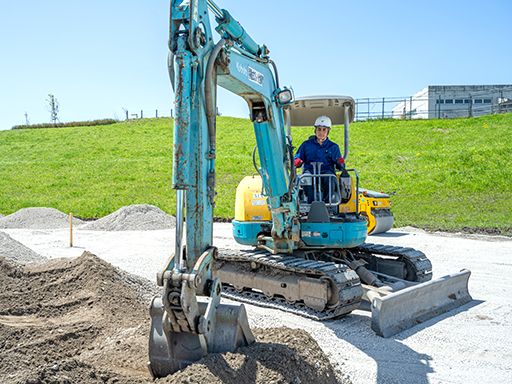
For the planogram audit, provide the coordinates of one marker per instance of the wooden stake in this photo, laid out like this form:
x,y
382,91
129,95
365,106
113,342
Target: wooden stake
x,y
71,229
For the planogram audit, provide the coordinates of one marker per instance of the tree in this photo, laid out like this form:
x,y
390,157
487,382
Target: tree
x,y
53,107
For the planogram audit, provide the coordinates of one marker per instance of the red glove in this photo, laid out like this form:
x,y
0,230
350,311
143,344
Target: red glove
x,y
298,162
340,163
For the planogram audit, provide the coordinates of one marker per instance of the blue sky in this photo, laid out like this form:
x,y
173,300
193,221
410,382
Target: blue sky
x,y
101,57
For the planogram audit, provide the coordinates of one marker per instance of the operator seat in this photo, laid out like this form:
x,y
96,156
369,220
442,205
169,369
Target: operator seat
x,y
318,213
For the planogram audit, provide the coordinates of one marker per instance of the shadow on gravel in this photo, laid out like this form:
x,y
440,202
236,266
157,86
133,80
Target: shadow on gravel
x,y
389,234
426,324
396,362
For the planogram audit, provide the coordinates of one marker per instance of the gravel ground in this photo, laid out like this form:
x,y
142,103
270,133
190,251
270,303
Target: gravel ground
x,y
472,344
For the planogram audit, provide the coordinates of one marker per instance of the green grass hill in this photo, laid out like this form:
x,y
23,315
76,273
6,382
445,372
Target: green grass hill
x,y
445,174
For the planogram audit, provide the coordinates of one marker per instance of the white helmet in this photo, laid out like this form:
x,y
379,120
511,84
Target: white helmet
x,y
323,121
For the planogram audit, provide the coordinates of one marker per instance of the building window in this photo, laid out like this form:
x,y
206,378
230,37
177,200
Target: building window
x,y
459,101
487,101
467,101
439,101
478,101
448,101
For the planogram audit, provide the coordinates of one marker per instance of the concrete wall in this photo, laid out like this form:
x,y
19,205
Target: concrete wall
x,y
414,107
449,101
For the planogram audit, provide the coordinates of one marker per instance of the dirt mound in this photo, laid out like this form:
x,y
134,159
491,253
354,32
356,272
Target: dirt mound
x,y
280,355
83,321
14,250
37,218
139,217
57,319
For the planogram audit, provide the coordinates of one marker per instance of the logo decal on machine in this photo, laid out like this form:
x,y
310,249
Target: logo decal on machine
x,y
252,74
255,76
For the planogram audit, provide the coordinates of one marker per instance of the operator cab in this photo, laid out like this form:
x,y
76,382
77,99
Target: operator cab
x,y
328,216
317,191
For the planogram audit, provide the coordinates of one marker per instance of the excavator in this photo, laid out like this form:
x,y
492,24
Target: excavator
x,y
308,256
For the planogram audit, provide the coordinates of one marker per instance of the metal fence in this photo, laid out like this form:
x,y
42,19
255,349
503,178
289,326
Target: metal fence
x,y
431,106
419,106
403,108
145,113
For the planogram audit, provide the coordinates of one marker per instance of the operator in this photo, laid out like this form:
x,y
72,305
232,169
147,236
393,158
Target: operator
x,y
319,149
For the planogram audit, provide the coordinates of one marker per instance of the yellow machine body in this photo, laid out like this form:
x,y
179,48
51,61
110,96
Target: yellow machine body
x,y
251,205
376,207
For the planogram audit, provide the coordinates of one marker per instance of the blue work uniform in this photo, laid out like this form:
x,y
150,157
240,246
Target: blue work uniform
x,y
328,154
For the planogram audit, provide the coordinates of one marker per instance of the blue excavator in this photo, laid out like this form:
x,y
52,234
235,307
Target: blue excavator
x,y
306,255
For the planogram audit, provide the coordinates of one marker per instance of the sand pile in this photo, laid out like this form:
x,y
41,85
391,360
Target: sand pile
x,y
37,218
14,250
138,217
80,321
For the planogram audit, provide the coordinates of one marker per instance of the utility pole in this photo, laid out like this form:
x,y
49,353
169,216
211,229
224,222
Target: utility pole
x,y
53,106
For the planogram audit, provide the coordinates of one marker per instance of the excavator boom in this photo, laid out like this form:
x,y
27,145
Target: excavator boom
x,y
307,257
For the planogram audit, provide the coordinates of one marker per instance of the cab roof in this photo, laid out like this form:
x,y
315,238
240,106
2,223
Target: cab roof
x,y
305,110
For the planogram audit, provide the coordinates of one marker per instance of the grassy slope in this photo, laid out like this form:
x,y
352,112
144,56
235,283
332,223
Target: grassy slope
x,y
447,174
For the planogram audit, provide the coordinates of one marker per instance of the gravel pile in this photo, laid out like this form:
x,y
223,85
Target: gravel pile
x,y
37,218
14,250
138,217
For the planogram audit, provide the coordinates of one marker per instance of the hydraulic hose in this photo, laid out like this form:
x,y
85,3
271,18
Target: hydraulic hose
x,y
210,91
274,66
293,171
254,160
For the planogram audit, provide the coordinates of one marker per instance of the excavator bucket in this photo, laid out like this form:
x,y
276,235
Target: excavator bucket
x,y
394,312
171,351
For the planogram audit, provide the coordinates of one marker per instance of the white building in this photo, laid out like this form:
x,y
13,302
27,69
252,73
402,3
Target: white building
x,y
448,101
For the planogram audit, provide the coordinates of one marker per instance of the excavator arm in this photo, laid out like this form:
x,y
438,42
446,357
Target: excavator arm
x,y
188,321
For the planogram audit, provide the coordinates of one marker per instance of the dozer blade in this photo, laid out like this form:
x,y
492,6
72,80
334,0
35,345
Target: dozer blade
x,y
171,351
396,311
